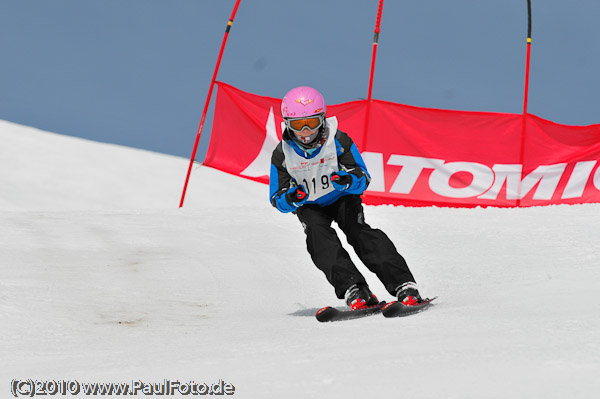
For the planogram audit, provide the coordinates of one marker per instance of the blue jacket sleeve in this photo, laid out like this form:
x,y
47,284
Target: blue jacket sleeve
x,y
280,182
350,160
358,185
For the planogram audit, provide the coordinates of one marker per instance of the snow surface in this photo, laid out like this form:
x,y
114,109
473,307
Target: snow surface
x,y
105,279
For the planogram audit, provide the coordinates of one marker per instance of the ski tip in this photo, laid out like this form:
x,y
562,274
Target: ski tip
x,y
325,314
322,310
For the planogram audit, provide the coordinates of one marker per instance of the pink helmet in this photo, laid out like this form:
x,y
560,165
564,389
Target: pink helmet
x,y
302,101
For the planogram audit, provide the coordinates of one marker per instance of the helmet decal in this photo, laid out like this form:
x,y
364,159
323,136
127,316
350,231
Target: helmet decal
x,y
304,101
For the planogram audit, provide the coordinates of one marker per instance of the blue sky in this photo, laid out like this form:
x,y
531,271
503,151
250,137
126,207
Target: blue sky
x,y
137,72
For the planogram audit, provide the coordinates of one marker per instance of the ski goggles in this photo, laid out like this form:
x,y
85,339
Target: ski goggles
x,y
299,124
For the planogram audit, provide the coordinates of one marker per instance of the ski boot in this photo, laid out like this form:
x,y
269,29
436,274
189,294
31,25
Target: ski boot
x,y
359,296
409,302
408,294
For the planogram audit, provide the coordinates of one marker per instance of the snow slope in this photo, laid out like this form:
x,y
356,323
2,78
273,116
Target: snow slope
x,y
104,279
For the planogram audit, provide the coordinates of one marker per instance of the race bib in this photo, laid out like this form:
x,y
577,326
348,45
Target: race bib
x,y
314,173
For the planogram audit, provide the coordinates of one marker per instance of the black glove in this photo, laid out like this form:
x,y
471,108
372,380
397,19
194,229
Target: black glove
x,y
290,200
341,180
296,195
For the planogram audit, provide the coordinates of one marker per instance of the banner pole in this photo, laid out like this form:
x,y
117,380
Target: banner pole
x,y
207,102
372,73
375,42
525,96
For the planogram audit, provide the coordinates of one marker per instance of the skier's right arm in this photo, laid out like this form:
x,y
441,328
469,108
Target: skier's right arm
x,y
285,195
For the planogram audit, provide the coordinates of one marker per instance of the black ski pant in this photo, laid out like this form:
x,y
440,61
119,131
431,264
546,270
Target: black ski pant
x,y
372,246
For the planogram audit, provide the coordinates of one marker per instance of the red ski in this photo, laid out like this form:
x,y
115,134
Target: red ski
x,y
332,314
398,309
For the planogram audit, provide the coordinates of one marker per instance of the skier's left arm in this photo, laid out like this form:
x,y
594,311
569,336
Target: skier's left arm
x,y
285,194
353,176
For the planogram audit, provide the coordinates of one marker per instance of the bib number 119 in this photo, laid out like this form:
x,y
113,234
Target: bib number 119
x,y
324,185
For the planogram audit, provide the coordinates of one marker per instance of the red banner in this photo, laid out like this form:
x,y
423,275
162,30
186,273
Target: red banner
x,y
423,157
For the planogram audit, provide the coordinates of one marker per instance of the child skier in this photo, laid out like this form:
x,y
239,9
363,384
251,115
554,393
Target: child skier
x,y
318,174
